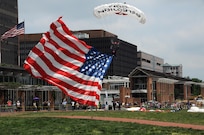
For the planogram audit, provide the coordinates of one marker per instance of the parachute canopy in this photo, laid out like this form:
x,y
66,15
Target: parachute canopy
x,y
119,9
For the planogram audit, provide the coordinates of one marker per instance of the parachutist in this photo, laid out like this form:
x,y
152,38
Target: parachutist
x,y
114,46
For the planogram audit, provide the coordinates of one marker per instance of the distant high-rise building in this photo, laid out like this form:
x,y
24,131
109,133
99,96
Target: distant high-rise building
x,y
8,19
150,62
175,70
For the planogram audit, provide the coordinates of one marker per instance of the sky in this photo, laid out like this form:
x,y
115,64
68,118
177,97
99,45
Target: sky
x,y
174,29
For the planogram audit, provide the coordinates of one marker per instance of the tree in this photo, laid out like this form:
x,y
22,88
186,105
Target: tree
x,y
196,89
196,80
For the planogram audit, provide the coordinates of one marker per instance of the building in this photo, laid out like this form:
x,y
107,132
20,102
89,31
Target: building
x,y
147,85
8,19
150,62
27,42
17,85
111,88
173,69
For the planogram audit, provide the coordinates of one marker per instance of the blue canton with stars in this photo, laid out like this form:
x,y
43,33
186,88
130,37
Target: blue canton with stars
x,y
96,64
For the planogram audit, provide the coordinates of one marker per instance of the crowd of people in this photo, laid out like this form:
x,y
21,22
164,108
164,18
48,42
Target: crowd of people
x,y
72,105
11,106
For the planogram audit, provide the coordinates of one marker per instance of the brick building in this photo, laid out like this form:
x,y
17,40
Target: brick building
x,y
147,85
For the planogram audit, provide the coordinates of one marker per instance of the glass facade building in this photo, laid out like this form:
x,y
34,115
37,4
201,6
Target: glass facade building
x,y
8,19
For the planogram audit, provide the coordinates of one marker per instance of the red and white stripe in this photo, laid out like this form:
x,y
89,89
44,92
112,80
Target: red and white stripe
x,y
57,59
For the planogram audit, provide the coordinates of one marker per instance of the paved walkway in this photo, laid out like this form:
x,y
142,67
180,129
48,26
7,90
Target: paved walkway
x,y
148,122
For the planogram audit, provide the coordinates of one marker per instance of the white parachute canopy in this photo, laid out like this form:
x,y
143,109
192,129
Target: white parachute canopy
x,y
119,9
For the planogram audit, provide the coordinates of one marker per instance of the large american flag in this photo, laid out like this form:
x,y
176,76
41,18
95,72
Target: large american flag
x,y
69,63
15,31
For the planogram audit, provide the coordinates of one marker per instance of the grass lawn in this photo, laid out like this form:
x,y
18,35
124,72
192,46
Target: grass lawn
x,y
44,123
